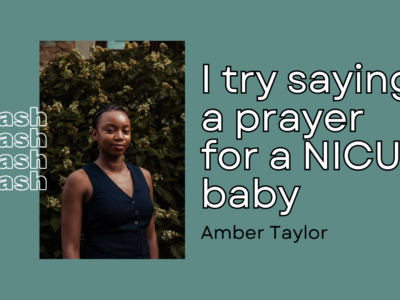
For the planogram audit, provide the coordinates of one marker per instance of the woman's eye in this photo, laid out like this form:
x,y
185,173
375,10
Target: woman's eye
x,y
109,130
126,132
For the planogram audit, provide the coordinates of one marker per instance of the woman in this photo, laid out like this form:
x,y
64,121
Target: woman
x,y
109,200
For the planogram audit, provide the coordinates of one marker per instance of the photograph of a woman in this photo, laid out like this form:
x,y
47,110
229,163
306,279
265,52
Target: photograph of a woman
x,y
117,212
115,135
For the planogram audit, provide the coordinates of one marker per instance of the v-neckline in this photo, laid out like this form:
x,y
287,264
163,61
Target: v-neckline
x,y
134,183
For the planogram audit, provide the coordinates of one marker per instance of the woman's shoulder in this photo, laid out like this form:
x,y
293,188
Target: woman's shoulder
x,y
77,183
149,181
146,174
78,176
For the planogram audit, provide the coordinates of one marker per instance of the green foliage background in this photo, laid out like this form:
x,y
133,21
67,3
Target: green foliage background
x,y
151,87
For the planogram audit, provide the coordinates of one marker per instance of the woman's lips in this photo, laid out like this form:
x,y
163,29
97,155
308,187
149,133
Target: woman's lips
x,y
118,147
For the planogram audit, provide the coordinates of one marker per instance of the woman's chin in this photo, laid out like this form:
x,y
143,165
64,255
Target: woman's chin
x,y
114,153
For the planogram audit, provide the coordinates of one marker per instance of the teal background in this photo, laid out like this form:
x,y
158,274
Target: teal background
x,y
115,45
359,257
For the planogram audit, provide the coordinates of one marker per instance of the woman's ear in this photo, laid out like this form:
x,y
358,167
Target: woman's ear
x,y
94,134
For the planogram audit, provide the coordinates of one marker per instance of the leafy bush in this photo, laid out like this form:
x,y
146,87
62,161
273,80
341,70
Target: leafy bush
x,y
151,87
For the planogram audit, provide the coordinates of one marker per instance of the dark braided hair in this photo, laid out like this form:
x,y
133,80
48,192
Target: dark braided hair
x,y
96,118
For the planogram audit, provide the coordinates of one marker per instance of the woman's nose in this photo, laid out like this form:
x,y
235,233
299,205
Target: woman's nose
x,y
118,135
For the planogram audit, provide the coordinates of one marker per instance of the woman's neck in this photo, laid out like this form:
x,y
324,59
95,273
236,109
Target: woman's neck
x,y
112,164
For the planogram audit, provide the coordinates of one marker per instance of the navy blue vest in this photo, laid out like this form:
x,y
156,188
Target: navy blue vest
x,y
114,223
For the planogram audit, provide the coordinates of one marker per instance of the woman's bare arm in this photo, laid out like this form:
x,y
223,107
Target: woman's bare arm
x,y
71,213
151,230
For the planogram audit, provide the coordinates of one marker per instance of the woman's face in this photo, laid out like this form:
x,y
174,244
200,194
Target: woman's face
x,y
113,133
